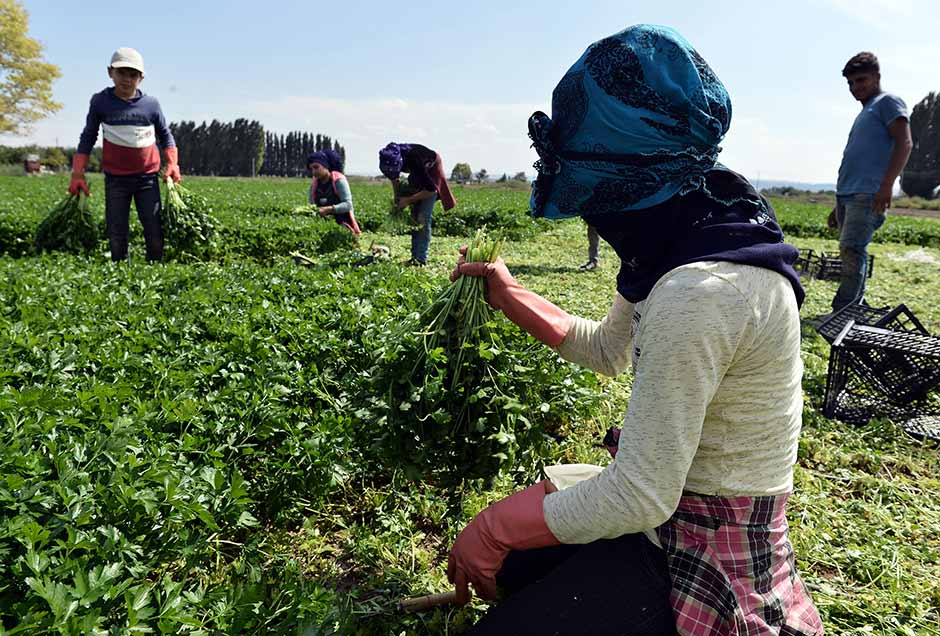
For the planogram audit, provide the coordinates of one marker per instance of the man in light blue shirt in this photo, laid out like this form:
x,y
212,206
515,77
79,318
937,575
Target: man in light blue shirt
x,y
878,148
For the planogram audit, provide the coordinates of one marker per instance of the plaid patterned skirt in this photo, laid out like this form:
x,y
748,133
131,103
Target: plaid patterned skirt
x,y
732,569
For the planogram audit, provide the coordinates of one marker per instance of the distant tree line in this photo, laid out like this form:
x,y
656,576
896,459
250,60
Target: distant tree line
x,y
243,148
52,157
519,176
921,176
238,149
286,155
463,174
790,191
225,149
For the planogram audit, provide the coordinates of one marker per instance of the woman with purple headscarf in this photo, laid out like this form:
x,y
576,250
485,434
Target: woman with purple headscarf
x,y
329,190
426,175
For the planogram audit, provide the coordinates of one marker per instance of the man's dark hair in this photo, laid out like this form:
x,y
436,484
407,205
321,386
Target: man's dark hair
x,y
863,62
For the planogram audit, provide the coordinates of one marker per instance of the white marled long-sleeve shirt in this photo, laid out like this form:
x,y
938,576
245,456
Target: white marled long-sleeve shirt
x,y
716,402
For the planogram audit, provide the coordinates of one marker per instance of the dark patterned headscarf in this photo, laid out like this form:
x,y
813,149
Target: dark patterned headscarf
x,y
391,159
633,143
328,158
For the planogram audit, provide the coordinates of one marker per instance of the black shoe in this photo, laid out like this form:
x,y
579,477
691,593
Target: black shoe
x,y
590,266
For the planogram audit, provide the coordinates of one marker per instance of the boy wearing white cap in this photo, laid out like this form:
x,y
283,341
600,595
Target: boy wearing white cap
x,y
134,131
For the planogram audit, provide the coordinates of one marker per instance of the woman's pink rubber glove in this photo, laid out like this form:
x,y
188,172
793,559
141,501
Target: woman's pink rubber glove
x,y
527,309
514,523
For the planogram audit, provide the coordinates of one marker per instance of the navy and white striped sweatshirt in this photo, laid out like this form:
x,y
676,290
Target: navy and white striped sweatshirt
x,y
134,132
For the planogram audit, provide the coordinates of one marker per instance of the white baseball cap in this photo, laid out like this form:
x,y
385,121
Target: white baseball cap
x,y
126,57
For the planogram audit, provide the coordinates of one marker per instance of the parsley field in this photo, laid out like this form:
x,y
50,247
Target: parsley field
x,y
229,444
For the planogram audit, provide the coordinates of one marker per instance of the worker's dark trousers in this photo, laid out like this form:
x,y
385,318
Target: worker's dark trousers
x,y
144,189
606,588
594,244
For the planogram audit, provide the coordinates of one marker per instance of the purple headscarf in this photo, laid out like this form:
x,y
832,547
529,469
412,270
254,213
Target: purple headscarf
x,y
327,158
391,160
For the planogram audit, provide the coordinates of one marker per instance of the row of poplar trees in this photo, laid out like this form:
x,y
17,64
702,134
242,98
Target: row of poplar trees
x,y
921,176
243,149
223,149
286,155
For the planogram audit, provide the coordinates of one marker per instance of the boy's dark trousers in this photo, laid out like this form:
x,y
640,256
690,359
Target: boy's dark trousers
x,y
118,192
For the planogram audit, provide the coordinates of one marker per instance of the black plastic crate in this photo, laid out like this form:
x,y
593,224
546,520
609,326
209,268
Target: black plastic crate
x,y
898,319
807,263
854,405
922,426
830,266
876,372
860,314
906,365
901,319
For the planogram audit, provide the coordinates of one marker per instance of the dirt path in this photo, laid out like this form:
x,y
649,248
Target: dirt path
x,y
930,214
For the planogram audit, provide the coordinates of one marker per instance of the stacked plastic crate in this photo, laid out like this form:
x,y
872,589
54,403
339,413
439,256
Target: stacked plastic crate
x,y
825,265
883,363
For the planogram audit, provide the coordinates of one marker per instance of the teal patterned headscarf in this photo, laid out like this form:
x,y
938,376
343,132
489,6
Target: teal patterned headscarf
x,y
632,145
635,121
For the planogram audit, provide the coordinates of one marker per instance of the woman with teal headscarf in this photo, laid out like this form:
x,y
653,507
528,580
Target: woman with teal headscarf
x,y
684,531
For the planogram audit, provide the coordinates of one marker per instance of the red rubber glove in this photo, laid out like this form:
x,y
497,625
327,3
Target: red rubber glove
x,y
527,309
172,157
514,523
78,183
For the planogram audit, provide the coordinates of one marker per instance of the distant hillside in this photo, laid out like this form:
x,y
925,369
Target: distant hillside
x,y
764,184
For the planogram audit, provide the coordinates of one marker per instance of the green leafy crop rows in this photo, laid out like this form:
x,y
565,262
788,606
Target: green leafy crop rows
x,y
256,219
231,446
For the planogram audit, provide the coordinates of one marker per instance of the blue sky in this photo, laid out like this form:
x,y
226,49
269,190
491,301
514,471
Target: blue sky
x,y
463,77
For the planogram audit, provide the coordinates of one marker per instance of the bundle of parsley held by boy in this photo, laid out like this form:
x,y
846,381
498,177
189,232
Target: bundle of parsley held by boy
x,y
399,220
69,227
188,225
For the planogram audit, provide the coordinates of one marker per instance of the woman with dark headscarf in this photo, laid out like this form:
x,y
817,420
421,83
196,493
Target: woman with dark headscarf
x,y
685,530
329,190
426,176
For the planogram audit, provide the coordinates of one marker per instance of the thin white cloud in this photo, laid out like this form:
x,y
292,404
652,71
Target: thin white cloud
x,y
489,135
763,151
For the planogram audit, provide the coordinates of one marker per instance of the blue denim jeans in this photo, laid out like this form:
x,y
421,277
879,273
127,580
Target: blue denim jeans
x,y
144,189
421,212
857,224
